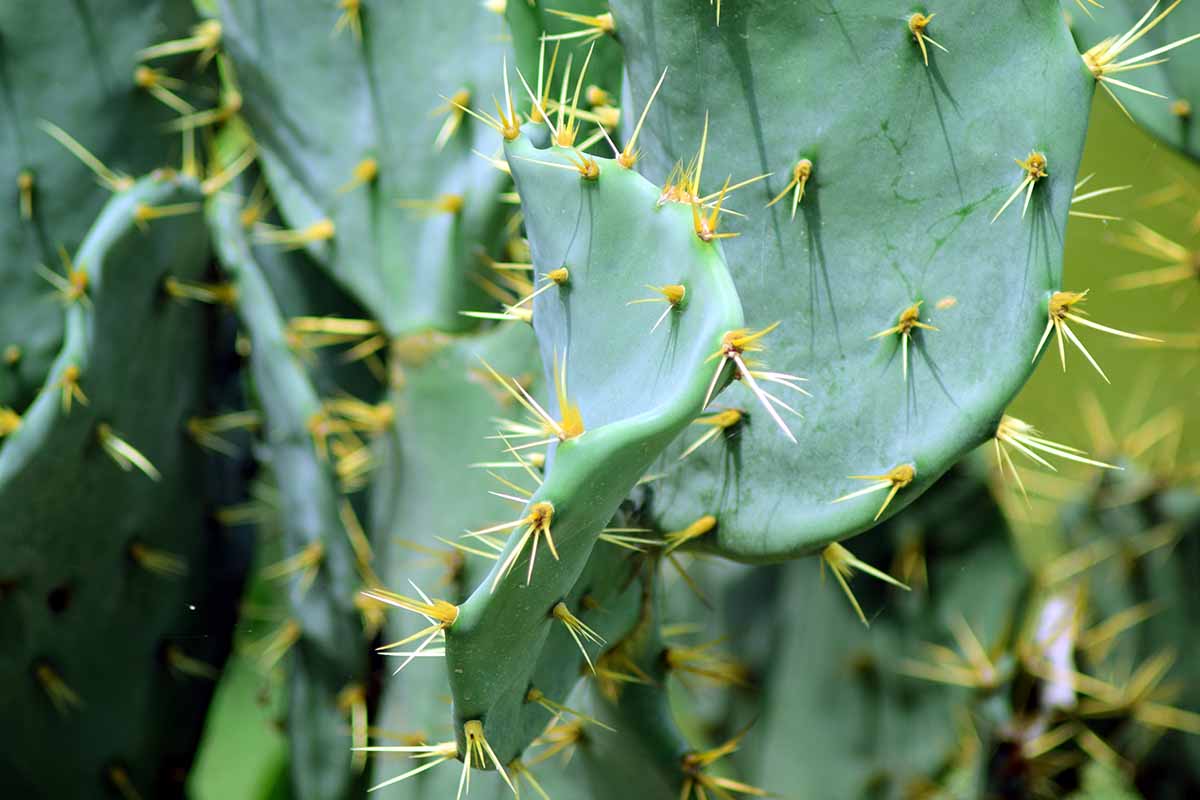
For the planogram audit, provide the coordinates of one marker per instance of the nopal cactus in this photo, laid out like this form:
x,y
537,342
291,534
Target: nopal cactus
x,y
541,306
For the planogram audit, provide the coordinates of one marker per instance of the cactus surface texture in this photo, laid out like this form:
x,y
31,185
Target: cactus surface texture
x,y
593,398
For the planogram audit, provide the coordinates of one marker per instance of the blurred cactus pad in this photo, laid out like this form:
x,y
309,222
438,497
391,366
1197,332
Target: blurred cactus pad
x,y
679,399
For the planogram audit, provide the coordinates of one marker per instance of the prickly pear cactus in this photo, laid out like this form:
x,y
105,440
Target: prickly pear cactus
x,y
362,136
328,554
911,305
117,602
1153,83
68,88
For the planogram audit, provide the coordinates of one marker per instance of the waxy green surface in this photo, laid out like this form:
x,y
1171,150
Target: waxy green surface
x,y
910,164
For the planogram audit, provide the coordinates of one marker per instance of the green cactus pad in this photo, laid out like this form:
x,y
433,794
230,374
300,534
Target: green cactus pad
x,y
113,622
891,731
330,653
426,493
321,104
909,164
634,390
1173,116
69,64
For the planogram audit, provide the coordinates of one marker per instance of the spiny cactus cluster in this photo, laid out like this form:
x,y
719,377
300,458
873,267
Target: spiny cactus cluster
x,y
507,317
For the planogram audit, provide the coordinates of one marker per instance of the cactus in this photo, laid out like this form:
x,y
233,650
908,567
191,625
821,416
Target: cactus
x,y
118,594
858,293
874,198
329,557
52,116
1166,93
368,151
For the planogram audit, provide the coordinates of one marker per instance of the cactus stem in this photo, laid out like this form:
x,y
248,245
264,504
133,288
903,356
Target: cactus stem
x,y
307,562
534,695
439,753
579,631
62,697
125,454
1102,59
72,288
801,172
695,530
25,184
842,563
350,18
594,27
917,25
1059,312
115,181
909,318
159,562
319,231
1184,263
718,423
895,480
1034,167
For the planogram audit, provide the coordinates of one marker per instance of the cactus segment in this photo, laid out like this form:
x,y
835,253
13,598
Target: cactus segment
x,y
896,214
324,633
113,622
368,150
622,394
67,87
